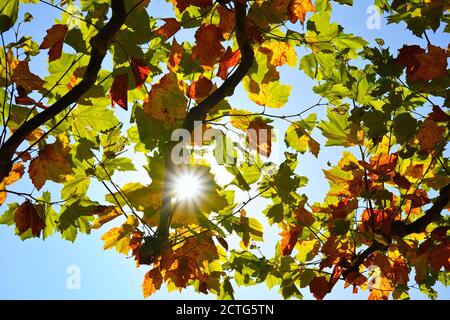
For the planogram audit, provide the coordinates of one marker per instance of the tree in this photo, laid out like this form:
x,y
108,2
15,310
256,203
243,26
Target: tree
x,y
382,224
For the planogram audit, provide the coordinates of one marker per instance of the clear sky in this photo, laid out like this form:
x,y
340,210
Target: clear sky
x,y
34,269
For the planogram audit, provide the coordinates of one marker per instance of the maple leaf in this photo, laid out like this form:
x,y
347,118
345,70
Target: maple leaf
x,y
54,41
229,59
319,287
438,115
279,53
381,289
303,216
183,4
432,64
227,21
119,91
152,282
140,70
430,134
208,47
170,27
259,136
200,88
175,56
166,100
439,256
26,217
51,164
24,78
23,99
289,239
15,174
297,10
407,58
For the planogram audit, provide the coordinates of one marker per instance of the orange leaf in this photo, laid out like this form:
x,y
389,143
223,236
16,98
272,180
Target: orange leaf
x,y
54,41
26,217
208,47
298,8
319,287
140,71
259,136
152,282
289,239
200,88
15,174
170,27
24,78
51,164
229,59
176,54
119,91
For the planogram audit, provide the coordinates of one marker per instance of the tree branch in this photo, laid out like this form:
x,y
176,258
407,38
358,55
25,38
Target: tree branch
x,y
99,44
433,214
153,245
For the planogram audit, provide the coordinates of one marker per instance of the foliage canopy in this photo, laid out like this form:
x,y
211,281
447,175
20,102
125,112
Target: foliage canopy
x,y
384,211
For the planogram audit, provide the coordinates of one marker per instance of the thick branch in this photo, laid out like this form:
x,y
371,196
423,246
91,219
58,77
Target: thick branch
x,y
99,45
199,113
433,214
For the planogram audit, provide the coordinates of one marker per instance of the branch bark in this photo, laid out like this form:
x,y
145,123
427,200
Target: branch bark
x,y
199,113
99,44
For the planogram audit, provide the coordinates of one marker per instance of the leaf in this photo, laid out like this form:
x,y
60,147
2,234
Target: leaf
x,y
175,57
298,8
140,70
432,64
336,130
200,88
119,238
289,239
229,59
430,134
52,164
227,20
166,101
208,47
259,135
14,175
8,14
54,41
87,121
280,53
381,289
119,91
170,27
152,282
298,136
319,287
24,78
26,217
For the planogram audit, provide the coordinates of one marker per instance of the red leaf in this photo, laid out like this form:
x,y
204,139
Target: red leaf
x,y
119,91
140,71
183,4
407,58
229,59
170,27
26,217
319,287
23,99
54,41
200,88
401,181
297,10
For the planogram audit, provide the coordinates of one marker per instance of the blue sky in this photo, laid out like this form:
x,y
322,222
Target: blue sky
x,y
38,270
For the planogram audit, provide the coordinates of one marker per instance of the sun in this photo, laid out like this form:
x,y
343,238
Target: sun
x,y
188,186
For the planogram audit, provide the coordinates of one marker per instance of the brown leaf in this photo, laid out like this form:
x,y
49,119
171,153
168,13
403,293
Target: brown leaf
x,y
430,134
54,41
226,23
24,78
26,217
51,164
23,99
170,27
183,4
152,282
200,88
319,287
432,64
119,91
438,115
208,47
259,136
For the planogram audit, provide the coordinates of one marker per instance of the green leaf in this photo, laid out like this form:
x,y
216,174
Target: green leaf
x,y
87,121
8,14
337,130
